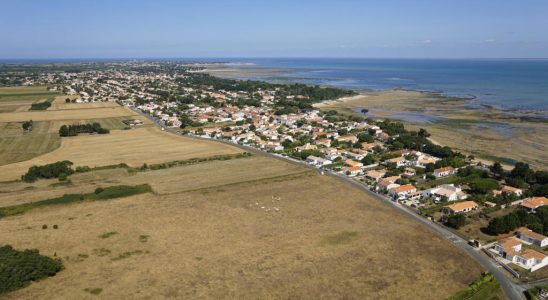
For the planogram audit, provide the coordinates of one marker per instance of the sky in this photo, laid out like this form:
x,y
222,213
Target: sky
x,y
37,29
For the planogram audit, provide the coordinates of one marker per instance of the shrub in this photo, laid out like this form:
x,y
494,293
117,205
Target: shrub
x,y
99,190
19,268
55,226
44,226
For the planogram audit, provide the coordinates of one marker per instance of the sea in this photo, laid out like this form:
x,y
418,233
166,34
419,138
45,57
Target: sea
x,y
514,84
520,84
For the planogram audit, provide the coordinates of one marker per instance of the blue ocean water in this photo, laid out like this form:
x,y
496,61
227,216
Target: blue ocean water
x,y
505,83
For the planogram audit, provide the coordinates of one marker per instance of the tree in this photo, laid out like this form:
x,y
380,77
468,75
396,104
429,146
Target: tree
x,y
522,170
497,169
483,185
456,221
63,131
27,125
364,137
364,110
423,133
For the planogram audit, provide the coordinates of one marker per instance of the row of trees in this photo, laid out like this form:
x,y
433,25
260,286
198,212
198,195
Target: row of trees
x,y
74,130
522,176
538,222
40,105
54,170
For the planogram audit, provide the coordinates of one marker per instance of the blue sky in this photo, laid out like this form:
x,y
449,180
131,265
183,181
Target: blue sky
x,y
242,28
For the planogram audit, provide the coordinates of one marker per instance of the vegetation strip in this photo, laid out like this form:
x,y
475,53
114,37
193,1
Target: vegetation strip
x,y
485,287
111,192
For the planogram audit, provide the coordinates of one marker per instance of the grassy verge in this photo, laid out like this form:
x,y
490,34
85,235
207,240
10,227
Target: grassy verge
x,y
191,161
486,287
99,194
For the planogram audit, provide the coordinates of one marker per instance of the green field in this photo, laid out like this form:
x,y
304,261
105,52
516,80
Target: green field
x,y
16,145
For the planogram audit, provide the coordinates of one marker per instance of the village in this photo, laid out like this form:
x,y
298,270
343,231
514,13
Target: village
x,y
447,187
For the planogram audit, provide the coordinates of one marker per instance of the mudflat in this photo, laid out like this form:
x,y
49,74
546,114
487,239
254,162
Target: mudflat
x,y
484,131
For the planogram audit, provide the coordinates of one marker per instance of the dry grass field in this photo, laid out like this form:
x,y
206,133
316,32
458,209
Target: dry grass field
x,y
68,114
301,235
163,181
134,147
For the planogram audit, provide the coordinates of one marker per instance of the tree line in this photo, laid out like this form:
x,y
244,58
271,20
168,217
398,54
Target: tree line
x,y
74,130
538,222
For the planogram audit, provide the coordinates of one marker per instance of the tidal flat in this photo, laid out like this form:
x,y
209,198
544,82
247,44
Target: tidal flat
x,y
487,132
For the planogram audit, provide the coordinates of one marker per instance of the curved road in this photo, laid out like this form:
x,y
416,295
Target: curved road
x,y
513,290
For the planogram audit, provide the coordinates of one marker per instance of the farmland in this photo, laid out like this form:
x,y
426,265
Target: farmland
x,y
20,98
274,236
134,147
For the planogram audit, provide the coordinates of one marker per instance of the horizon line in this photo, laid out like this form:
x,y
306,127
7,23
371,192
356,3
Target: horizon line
x,y
266,57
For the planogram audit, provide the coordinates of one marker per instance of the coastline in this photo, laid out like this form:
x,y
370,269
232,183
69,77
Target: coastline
x,y
484,130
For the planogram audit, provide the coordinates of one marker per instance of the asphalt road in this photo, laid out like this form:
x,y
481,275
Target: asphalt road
x,y
513,290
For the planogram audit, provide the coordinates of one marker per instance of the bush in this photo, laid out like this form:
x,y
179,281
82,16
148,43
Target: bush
x,y
44,226
99,190
19,268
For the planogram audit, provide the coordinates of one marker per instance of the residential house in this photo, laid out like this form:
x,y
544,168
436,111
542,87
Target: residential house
x,y
388,183
530,204
461,207
443,172
508,190
352,171
449,192
353,163
399,161
375,174
347,138
307,146
532,237
324,142
511,249
402,192
318,161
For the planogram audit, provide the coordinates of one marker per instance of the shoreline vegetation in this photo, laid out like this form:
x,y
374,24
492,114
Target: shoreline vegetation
x,y
488,132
